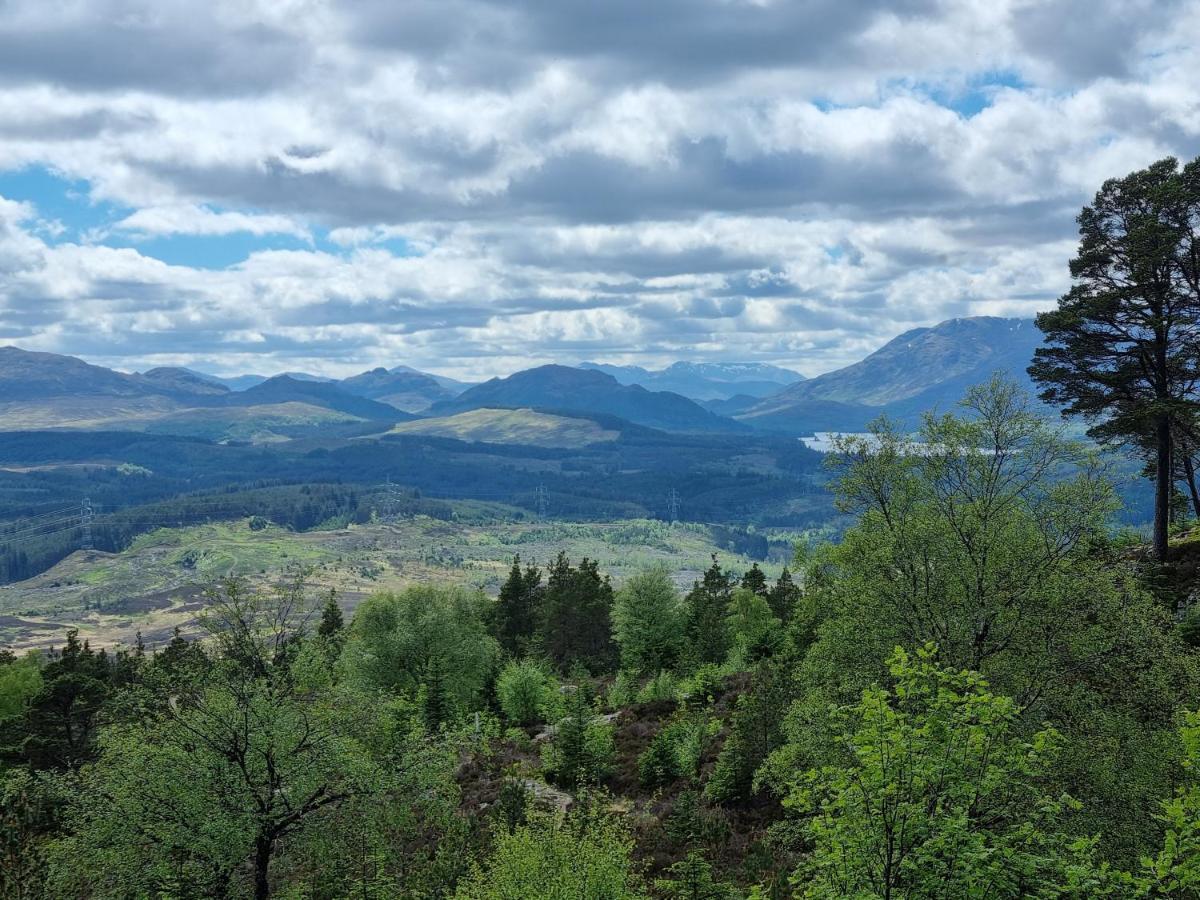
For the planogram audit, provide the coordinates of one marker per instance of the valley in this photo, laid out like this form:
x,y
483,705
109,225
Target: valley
x,y
158,583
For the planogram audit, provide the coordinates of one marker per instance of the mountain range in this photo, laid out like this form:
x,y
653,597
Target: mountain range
x,y
921,369
705,381
565,389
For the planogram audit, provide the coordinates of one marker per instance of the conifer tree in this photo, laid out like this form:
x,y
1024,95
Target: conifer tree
x,y
1124,343
784,596
332,620
756,581
577,627
707,628
518,609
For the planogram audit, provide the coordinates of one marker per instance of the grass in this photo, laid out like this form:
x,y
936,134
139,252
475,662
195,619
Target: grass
x,y
155,585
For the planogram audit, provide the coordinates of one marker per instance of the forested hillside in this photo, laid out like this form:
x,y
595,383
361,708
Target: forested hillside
x,y
978,691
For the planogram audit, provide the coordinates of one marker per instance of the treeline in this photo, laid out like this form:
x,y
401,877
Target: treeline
x,y
300,507
972,694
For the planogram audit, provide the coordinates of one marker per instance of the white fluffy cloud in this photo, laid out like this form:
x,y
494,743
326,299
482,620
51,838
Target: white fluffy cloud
x,y
471,186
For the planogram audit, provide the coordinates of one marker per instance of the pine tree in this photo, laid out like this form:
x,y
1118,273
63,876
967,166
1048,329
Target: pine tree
x,y
332,620
707,628
61,721
784,596
518,609
332,630
437,704
756,581
577,627
1124,343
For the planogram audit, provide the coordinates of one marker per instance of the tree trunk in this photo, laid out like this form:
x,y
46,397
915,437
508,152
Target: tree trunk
x,y
1162,488
262,866
1189,470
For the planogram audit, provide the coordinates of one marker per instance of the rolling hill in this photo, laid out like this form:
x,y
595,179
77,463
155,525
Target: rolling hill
x,y
569,390
322,394
924,368
513,426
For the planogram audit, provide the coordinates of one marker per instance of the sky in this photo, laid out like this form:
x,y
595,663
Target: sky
x,y
473,187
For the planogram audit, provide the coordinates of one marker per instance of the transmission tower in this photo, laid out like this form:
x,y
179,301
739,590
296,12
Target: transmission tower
x,y
85,521
673,506
542,498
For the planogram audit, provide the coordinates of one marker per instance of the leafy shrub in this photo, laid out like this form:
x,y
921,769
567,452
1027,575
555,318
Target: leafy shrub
x,y
676,750
622,692
663,686
658,765
527,693
586,855
703,685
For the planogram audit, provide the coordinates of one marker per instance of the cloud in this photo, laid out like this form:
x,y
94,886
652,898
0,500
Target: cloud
x,y
472,185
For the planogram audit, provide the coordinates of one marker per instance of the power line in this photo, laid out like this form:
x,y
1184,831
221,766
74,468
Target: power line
x,y
542,499
33,528
85,542
673,506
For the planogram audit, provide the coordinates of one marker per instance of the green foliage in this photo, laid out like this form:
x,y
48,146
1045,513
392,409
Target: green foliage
x,y
238,778
935,795
20,681
755,730
622,692
707,609
676,751
986,536
755,632
583,856
693,821
692,879
396,640
1175,870
704,684
577,625
518,609
784,596
581,751
648,622
755,581
27,822
1122,344
527,693
59,723
663,687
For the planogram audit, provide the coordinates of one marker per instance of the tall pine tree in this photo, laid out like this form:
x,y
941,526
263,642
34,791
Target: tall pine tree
x,y
784,596
707,627
518,609
1123,346
577,626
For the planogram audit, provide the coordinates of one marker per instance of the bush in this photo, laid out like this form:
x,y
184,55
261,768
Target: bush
x,y
703,685
527,693
693,822
585,855
622,692
663,686
676,750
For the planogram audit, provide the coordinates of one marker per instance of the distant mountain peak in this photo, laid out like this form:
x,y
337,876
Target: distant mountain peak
x,y
565,389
